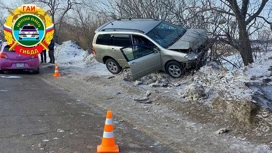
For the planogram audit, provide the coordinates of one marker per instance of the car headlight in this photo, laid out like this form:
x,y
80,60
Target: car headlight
x,y
191,56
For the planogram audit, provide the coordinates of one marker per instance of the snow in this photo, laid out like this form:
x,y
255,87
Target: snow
x,y
213,79
231,83
71,57
217,80
60,130
261,66
232,62
11,77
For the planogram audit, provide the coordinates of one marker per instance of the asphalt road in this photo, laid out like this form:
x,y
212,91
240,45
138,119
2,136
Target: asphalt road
x,y
38,117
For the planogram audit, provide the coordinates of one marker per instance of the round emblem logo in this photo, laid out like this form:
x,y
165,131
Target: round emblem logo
x,y
28,30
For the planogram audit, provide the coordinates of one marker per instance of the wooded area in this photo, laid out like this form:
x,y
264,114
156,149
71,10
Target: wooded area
x,y
232,25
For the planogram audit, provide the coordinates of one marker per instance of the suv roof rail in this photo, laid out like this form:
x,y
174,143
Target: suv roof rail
x,y
136,25
122,29
120,19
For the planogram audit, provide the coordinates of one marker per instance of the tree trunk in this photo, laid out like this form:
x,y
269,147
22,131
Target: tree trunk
x,y
245,46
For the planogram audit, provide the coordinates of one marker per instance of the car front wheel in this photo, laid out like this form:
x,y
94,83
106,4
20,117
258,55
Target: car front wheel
x,y
113,66
174,69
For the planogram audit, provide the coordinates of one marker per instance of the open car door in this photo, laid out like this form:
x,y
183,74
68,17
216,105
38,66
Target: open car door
x,y
142,60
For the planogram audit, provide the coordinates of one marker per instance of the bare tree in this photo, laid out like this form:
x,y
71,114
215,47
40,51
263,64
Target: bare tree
x,y
140,9
231,21
84,21
245,12
5,5
58,10
2,21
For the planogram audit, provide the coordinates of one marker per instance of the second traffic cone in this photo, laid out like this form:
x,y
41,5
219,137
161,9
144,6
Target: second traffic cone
x,y
108,143
56,74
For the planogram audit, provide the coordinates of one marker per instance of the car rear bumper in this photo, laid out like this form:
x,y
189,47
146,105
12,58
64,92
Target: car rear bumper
x,y
22,65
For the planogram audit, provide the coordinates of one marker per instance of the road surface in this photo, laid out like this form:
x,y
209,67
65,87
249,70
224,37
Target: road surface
x,y
38,117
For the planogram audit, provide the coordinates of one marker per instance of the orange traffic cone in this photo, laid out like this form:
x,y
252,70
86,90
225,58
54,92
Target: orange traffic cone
x,y
57,74
108,143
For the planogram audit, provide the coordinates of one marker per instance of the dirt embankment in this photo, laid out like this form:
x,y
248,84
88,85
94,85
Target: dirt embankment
x,y
184,126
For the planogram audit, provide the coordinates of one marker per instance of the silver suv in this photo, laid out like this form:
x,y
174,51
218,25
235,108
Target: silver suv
x,y
148,45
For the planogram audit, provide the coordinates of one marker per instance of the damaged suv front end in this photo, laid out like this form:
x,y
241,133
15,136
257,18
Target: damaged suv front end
x,y
193,43
176,38
186,46
149,45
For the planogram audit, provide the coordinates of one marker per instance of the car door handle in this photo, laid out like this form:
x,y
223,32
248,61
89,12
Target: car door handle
x,y
133,63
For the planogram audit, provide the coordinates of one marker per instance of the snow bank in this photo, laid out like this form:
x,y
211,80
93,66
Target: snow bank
x,y
69,53
260,68
71,57
229,83
213,80
235,85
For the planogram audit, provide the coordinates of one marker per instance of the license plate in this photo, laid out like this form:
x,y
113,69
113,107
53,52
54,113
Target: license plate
x,y
20,65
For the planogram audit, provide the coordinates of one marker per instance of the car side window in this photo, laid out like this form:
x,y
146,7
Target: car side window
x,y
142,42
103,39
6,49
141,47
121,40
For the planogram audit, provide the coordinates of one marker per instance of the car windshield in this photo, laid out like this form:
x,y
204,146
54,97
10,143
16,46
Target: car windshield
x,y
29,28
166,34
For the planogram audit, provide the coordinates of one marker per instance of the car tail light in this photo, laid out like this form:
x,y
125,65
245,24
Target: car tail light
x,y
93,50
3,55
34,56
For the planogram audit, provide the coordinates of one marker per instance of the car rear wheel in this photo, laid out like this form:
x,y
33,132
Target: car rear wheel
x,y
174,69
113,66
35,71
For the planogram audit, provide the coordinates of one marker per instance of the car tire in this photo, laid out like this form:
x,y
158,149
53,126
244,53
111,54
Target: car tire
x,y
174,69
35,71
113,66
1,72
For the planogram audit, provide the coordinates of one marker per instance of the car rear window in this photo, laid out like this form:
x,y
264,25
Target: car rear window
x,y
121,40
103,39
6,49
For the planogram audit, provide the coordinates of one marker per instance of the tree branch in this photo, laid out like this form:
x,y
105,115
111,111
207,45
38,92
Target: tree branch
x,y
257,13
264,19
235,8
244,8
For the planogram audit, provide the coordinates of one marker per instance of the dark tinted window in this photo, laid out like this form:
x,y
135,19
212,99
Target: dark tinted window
x,y
143,42
121,40
29,27
103,39
6,49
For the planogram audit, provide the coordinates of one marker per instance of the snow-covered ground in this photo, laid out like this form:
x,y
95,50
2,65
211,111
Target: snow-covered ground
x,y
210,81
175,103
70,56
